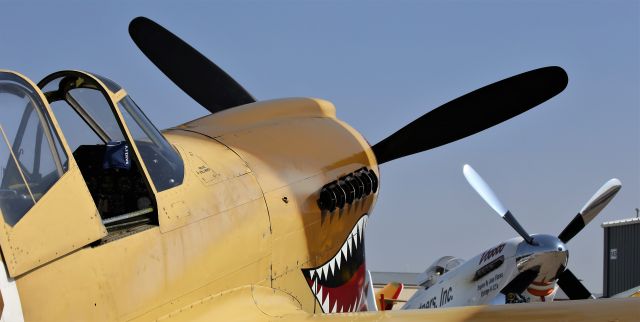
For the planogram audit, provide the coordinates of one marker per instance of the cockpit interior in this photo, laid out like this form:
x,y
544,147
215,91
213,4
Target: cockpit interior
x,y
441,266
113,143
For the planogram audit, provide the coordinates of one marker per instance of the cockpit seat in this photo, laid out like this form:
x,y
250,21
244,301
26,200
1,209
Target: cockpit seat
x,y
115,189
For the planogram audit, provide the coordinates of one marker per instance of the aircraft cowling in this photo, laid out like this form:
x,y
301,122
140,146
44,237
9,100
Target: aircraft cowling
x,y
295,148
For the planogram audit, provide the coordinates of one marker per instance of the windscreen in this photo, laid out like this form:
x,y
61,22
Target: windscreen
x,y
31,156
162,161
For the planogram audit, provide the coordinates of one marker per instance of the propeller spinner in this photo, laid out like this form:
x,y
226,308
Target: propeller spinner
x,y
566,280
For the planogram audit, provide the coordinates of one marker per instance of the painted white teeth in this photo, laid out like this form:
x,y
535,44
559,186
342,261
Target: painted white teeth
x,y
344,251
353,242
325,305
331,267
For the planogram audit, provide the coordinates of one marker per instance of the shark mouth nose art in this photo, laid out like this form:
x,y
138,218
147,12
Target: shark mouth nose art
x,y
339,283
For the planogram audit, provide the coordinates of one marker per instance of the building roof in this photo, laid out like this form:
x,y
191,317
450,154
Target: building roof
x,y
408,279
621,222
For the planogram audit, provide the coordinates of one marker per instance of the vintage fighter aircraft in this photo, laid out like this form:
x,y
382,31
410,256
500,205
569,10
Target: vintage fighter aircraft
x,y
522,269
253,213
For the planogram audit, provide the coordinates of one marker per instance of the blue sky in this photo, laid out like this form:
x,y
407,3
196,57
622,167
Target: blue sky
x,y
383,64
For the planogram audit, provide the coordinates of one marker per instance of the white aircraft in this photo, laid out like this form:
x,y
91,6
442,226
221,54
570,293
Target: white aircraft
x,y
522,269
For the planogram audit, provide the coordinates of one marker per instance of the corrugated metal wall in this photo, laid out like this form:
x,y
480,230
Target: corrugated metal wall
x,y
621,258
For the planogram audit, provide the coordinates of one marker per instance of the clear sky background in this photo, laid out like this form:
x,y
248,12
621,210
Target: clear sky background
x,y
383,64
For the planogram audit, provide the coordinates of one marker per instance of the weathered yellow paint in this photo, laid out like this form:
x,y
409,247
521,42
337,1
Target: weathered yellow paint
x,y
218,180
135,274
57,217
292,157
248,303
242,118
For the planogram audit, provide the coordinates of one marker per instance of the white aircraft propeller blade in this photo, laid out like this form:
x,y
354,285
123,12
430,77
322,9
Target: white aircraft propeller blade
x,y
600,199
591,209
483,189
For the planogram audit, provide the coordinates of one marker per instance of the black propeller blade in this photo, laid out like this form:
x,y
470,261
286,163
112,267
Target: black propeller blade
x,y
520,283
568,282
571,286
473,112
196,75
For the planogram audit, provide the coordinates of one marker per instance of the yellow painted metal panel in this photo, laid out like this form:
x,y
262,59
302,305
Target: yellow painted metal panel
x,y
149,270
258,114
215,180
287,140
249,303
292,157
304,238
221,287
63,220
283,153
